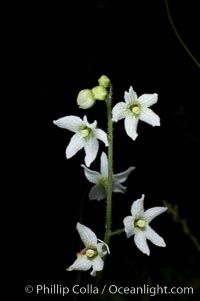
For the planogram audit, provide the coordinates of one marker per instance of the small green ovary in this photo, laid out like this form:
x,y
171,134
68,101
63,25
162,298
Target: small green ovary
x,y
140,224
85,132
136,109
91,253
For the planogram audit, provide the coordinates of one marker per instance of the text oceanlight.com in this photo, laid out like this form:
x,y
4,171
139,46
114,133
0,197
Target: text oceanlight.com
x,y
58,289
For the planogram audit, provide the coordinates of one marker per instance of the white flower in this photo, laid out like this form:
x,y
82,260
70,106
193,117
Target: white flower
x,y
98,191
135,109
91,256
138,225
86,135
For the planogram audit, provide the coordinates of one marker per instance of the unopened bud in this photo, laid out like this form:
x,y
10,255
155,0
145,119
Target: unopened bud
x,y
99,92
85,99
104,81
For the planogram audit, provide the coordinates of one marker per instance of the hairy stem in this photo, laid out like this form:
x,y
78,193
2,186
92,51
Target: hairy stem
x,y
110,178
110,168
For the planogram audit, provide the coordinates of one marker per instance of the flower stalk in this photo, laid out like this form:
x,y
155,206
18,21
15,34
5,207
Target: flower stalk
x,y
110,167
117,232
86,136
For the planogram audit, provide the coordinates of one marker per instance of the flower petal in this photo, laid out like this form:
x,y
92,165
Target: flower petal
x,y
101,135
122,176
141,243
128,226
119,188
154,237
81,264
97,193
91,175
91,150
87,236
119,111
137,208
98,264
150,117
130,124
151,213
130,96
104,165
148,100
93,273
100,249
89,125
71,123
76,143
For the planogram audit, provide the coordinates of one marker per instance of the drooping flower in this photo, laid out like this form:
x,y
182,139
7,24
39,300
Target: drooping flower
x,y
134,109
98,191
138,225
86,135
92,255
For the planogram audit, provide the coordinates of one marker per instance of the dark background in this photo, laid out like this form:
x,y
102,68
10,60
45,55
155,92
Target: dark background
x,y
66,48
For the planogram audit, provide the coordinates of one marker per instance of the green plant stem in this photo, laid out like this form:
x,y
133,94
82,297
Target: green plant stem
x,y
110,168
178,35
110,178
117,232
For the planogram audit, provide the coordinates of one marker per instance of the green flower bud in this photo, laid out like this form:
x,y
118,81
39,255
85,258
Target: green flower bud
x,y
85,99
99,92
104,81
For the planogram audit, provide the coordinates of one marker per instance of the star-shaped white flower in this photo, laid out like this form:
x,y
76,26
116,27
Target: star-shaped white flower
x,y
98,191
138,225
86,135
134,109
91,256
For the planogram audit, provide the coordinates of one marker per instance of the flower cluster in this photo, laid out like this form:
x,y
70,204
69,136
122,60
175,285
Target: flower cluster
x,y
105,182
87,97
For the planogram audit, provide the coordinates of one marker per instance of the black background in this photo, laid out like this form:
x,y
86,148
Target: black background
x,y
66,48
